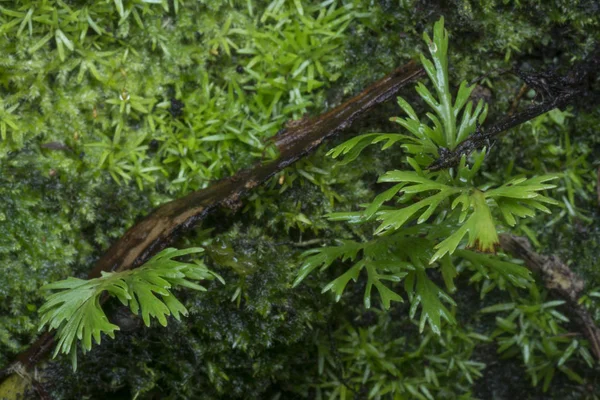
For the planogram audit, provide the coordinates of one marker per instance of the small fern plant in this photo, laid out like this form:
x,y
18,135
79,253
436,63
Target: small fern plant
x,y
431,219
77,315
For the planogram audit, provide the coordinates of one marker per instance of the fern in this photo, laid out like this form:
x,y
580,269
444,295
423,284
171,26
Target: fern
x,y
516,275
451,122
386,259
76,314
519,197
426,293
428,218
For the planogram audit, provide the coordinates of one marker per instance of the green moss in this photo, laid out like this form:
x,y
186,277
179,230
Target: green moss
x,y
53,224
154,100
164,95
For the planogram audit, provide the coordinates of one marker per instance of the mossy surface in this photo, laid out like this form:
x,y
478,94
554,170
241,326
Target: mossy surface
x,y
111,108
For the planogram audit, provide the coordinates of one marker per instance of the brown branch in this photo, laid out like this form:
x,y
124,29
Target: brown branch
x,y
557,92
167,222
558,278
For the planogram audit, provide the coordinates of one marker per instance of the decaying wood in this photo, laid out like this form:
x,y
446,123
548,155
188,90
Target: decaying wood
x,y
167,222
560,279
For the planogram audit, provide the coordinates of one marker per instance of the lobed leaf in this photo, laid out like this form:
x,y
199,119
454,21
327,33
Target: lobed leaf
x,y
75,311
479,226
352,148
325,256
428,295
516,274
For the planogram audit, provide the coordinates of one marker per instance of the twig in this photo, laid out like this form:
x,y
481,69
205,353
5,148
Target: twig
x,y
559,278
170,220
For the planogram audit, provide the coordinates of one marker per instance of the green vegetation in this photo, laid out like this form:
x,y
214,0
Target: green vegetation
x,y
404,253
111,108
76,312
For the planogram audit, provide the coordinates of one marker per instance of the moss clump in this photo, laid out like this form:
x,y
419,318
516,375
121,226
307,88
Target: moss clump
x,y
140,102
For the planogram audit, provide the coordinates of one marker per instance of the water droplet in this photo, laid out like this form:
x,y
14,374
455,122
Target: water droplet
x,y
432,47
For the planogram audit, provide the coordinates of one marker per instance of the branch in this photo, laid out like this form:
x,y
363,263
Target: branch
x,y
170,220
559,278
557,92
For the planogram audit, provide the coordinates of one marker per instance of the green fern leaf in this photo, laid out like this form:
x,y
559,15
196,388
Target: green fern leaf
x,y
520,197
426,294
516,274
75,311
480,227
446,208
383,259
338,285
413,184
352,148
323,257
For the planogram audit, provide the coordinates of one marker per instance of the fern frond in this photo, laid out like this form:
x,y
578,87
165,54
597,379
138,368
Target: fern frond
x,y
426,294
480,227
352,148
485,265
384,259
76,314
447,110
447,210
518,198
323,257
412,183
445,131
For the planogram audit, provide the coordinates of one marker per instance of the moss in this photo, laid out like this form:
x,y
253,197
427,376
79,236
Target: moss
x,y
145,102
53,224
